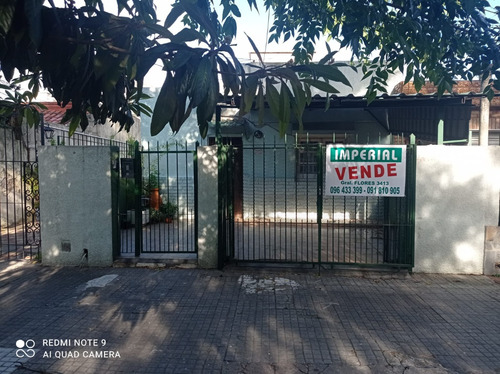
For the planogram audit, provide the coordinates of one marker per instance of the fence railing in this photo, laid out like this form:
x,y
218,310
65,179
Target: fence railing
x,y
61,137
284,216
161,198
19,198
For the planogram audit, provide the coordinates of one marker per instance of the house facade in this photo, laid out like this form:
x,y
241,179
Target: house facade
x,y
468,90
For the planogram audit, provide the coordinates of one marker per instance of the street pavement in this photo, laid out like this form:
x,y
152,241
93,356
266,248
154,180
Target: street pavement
x,y
245,320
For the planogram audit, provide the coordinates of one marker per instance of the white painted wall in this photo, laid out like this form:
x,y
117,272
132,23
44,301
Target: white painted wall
x,y
208,207
75,205
457,195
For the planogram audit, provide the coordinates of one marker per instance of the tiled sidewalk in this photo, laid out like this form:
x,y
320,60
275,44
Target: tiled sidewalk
x,y
131,320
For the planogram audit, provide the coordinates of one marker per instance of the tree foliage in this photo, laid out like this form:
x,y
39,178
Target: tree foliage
x,y
441,41
98,60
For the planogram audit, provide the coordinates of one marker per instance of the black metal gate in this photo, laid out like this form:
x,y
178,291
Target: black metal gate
x,y
19,197
286,218
158,201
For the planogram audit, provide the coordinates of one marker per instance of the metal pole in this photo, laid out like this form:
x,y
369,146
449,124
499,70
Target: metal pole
x,y
319,198
484,114
42,129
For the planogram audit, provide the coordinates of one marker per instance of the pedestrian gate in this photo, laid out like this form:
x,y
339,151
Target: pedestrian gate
x,y
157,200
272,209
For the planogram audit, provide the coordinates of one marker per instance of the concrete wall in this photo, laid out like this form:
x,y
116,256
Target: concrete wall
x,y
457,196
492,250
208,207
75,205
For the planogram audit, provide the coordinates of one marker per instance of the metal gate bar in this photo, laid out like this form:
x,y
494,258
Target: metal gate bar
x,y
19,198
171,168
286,218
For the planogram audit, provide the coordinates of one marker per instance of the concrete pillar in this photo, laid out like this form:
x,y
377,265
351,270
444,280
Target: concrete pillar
x,y
76,206
456,197
484,115
492,250
207,207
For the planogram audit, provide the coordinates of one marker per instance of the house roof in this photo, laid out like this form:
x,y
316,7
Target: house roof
x,y
404,114
398,114
463,88
54,112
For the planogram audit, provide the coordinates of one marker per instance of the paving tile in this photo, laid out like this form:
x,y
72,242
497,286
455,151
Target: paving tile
x,y
203,321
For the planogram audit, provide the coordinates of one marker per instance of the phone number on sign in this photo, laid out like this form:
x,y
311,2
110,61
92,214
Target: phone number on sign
x,y
370,190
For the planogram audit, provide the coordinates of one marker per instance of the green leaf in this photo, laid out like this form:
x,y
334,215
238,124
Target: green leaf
x,y
176,11
75,122
7,9
299,102
8,70
202,18
28,114
284,109
253,3
235,10
228,75
273,98
206,109
160,30
261,103
165,106
150,56
33,11
330,72
327,57
307,90
418,81
188,35
371,96
230,27
40,105
237,64
287,73
225,12
249,89
320,85
181,112
488,91
201,81
255,49
383,74
409,73
84,121
367,74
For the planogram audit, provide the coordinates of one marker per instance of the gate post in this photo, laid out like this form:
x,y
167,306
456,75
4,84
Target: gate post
x,y
76,201
208,207
319,197
138,200
115,191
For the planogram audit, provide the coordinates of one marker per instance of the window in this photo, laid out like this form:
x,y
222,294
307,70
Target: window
x,y
307,151
306,160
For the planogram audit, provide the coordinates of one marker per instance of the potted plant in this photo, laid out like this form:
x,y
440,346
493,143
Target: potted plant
x,y
152,189
165,213
169,209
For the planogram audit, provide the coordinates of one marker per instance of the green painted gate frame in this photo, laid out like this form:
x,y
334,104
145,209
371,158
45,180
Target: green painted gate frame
x,y
395,218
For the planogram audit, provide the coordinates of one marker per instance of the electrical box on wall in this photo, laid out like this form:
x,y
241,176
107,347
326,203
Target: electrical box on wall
x,y
65,246
127,167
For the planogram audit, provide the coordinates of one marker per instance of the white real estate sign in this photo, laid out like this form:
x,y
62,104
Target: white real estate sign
x,y
365,170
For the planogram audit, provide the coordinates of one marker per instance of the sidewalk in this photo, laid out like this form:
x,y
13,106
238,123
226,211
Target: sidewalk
x,y
131,320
